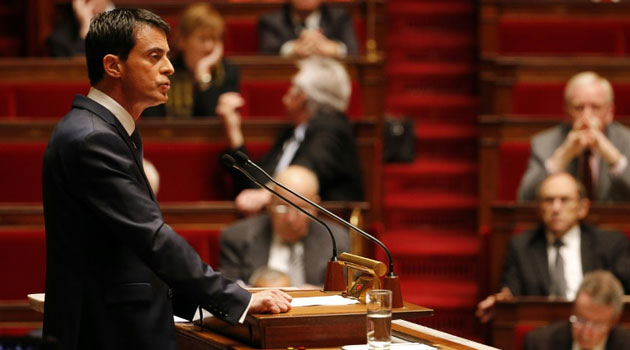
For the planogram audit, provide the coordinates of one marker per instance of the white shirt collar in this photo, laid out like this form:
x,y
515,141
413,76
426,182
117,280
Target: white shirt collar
x,y
119,112
569,239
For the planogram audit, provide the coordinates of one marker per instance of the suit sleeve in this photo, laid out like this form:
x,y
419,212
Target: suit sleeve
x,y
347,35
270,34
111,185
534,175
620,259
510,277
620,184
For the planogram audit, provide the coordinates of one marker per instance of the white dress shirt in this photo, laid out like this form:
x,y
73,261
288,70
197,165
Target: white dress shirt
x,y
572,256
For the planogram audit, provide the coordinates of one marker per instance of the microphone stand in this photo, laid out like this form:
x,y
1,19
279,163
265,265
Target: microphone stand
x,y
391,281
334,271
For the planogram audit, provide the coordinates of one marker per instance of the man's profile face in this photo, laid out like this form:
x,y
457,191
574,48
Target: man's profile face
x,y
560,205
588,103
592,321
144,74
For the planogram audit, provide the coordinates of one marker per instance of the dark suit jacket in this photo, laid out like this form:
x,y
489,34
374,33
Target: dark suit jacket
x,y
277,28
245,247
328,149
526,268
608,188
116,273
65,41
184,92
557,336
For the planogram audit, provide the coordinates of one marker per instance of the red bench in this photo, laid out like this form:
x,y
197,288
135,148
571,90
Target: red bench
x,y
512,164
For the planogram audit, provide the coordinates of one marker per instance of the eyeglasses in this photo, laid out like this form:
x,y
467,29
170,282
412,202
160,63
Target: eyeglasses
x,y
581,323
284,209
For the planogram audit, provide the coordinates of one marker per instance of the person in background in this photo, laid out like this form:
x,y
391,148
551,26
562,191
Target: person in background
x,y
320,137
202,75
594,322
283,239
551,259
68,36
593,148
265,277
303,28
116,273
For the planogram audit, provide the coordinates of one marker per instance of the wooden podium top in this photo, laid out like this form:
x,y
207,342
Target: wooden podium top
x,y
310,326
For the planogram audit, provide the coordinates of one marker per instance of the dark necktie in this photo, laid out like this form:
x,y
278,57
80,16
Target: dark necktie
x,y
587,174
558,281
136,140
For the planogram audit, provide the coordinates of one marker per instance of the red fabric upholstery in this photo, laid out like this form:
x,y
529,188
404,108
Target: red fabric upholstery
x,y
558,36
21,175
192,171
22,262
512,165
7,100
544,99
241,36
49,100
205,242
519,334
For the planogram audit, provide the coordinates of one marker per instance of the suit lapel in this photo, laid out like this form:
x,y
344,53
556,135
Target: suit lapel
x,y
588,245
259,249
538,251
313,254
105,114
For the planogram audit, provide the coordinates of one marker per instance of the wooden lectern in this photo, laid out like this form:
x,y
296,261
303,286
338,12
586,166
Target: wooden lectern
x,y
309,326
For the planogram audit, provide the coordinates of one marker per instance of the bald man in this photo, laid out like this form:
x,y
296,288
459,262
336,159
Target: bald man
x,y
283,238
530,261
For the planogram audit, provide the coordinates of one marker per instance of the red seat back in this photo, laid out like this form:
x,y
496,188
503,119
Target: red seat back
x,y
22,262
21,177
47,99
512,165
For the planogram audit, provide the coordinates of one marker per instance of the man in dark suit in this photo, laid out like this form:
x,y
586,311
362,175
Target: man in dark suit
x,y
282,238
593,148
593,325
552,258
116,273
320,137
307,27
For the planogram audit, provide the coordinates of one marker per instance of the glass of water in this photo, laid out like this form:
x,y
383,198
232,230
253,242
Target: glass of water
x,y
379,319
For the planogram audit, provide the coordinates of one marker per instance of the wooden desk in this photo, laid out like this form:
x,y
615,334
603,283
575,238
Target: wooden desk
x,y
533,312
192,337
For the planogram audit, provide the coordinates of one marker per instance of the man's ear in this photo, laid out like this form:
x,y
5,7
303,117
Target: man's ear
x,y
112,66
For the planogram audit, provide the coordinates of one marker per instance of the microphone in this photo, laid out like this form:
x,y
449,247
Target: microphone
x,y
392,281
229,161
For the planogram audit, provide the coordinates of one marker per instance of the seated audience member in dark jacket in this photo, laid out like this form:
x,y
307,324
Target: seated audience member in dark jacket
x,y
68,36
551,259
201,73
593,324
320,138
307,27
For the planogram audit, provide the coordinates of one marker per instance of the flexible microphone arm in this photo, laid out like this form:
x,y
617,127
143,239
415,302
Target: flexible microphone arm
x,y
230,162
244,159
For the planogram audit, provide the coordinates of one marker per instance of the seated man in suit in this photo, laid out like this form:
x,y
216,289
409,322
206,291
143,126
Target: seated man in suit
x,y
593,325
320,137
552,258
283,238
593,148
307,27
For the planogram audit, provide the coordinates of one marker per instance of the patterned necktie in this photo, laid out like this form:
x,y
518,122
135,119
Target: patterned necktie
x,y
296,266
558,281
587,174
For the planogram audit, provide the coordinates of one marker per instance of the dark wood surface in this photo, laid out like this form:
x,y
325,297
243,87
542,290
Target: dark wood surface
x,y
533,312
311,326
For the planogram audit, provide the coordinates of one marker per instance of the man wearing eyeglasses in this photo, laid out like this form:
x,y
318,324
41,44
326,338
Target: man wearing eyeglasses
x,y
283,238
551,259
593,324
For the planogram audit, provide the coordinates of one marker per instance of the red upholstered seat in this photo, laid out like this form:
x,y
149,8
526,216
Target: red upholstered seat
x,y
7,100
545,99
191,171
559,35
21,175
47,99
512,165
519,334
241,36
205,242
22,262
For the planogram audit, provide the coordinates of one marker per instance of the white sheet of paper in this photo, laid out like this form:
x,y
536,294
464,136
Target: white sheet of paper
x,y
332,300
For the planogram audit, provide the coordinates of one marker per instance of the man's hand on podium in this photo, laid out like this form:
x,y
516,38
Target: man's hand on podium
x,y
270,301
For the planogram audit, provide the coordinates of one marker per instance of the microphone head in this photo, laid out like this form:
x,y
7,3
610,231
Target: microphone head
x,y
241,157
228,160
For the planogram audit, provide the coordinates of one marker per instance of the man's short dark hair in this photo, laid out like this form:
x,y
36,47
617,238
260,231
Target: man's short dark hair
x,y
114,32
